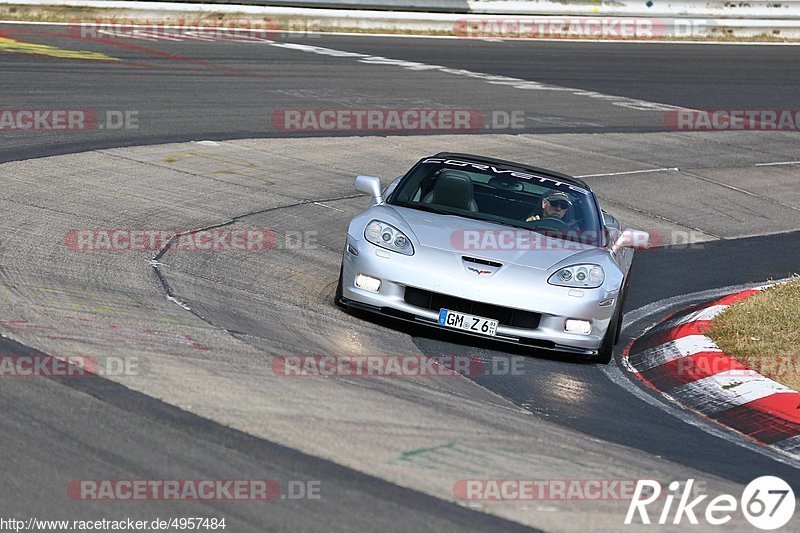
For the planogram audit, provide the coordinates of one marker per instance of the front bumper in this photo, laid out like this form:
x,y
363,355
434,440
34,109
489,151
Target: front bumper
x,y
554,304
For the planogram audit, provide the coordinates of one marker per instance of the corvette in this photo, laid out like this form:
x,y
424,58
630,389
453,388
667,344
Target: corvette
x,y
491,248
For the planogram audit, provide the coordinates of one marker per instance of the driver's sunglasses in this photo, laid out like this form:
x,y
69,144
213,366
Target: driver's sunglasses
x,y
559,204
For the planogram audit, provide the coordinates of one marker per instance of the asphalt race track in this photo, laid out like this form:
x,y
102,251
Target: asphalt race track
x,y
154,79
202,148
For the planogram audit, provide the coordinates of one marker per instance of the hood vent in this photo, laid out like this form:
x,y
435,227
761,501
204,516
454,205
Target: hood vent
x,y
486,262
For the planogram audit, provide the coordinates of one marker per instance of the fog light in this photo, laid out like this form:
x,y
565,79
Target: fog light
x,y
368,283
584,327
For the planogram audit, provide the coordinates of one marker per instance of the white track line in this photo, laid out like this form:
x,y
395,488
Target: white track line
x,y
517,83
624,173
654,308
777,164
790,445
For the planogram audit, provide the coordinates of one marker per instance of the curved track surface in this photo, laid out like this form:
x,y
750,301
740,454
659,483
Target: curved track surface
x,y
206,403
190,88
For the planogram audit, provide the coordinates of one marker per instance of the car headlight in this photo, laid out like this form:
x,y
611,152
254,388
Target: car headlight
x,y
387,236
580,276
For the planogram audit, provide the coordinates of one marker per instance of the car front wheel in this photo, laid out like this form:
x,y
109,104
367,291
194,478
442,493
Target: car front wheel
x,y
612,333
337,298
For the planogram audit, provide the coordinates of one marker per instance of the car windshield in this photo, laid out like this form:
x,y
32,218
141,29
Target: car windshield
x,y
501,195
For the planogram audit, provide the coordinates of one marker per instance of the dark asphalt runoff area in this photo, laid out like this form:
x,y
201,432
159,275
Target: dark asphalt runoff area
x,y
55,430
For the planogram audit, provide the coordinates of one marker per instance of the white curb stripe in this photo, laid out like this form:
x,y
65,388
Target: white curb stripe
x,y
790,445
672,350
726,390
708,313
786,451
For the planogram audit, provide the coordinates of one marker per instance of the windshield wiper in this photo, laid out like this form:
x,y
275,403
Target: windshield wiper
x,y
426,207
509,224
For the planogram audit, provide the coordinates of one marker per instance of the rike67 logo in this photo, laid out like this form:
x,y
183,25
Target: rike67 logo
x,y
767,503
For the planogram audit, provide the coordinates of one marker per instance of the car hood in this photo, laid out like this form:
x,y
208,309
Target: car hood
x,y
486,240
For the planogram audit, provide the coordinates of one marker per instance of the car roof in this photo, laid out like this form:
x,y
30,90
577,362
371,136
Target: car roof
x,y
517,166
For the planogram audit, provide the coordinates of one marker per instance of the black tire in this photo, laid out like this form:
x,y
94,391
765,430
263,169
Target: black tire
x,y
622,299
337,297
606,351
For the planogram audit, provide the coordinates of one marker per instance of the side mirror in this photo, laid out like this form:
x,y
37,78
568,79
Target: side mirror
x,y
371,186
631,238
610,220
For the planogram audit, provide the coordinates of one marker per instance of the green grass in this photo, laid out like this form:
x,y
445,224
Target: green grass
x,y
763,332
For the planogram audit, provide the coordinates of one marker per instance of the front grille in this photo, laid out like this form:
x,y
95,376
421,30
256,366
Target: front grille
x,y
504,315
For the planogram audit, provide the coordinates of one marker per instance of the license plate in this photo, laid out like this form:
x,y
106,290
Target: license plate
x,y
474,324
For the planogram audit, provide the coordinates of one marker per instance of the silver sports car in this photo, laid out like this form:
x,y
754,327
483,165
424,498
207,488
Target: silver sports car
x,y
491,248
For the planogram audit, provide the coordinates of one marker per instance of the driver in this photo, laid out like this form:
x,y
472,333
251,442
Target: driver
x,y
554,204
